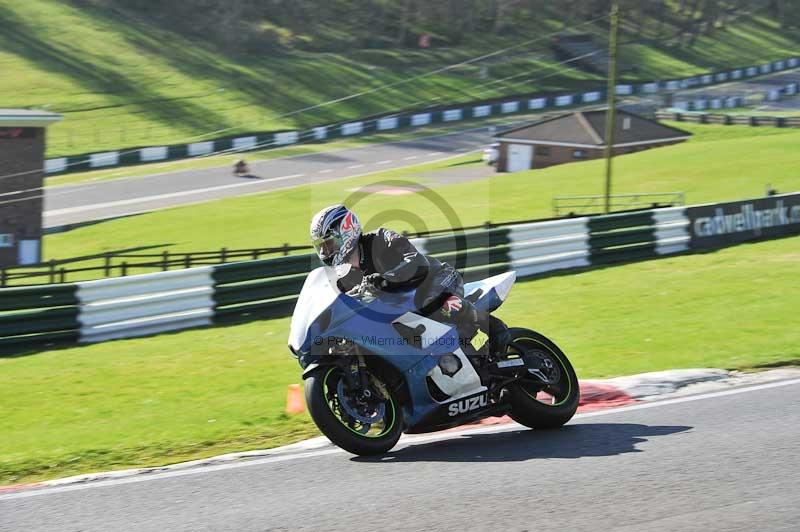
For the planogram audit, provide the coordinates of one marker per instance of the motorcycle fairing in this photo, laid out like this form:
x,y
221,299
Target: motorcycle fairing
x,y
323,312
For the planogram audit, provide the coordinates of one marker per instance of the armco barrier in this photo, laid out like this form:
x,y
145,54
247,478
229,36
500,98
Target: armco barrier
x,y
725,119
39,314
415,118
145,304
620,237
266,287
547,246
122,307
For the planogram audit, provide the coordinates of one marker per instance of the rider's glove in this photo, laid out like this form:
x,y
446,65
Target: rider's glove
x,y
375,280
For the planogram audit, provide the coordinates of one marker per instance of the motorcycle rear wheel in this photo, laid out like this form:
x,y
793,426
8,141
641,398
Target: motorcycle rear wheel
x,y
545,407
333,411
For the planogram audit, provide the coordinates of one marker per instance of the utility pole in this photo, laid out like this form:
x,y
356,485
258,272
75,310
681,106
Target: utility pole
x,y
611,98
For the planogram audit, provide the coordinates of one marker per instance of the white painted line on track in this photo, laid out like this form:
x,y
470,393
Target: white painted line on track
x,y
387,161
409,440
356,166
327,170
410,157
182,193
434,153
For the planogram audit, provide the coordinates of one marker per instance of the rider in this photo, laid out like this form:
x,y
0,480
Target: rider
x,y
389,262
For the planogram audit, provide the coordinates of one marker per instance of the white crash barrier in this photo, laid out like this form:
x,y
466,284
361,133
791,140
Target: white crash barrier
x,y
672,230
481,110
421,119
244,143
590,96
544,246
153,153
108,158
138,305
200,148
352,128
320,132
452,115
566,99
286,137
509,107
388,123
537,103
55,165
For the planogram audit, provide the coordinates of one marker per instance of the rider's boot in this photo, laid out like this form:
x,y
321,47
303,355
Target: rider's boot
x,y
496,330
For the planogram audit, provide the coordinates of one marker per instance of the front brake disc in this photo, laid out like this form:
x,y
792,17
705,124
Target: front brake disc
x,y
345,402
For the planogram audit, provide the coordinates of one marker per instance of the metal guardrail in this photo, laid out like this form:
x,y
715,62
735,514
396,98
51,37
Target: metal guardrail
x,y
729,119
147,304
595,203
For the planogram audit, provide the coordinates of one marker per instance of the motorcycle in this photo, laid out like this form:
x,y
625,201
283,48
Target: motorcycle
x,y
373,367
240,169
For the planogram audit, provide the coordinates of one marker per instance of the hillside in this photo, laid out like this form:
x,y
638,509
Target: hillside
x,y
125,74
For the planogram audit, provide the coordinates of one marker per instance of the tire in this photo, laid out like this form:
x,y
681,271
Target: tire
x,y
525,408
318,391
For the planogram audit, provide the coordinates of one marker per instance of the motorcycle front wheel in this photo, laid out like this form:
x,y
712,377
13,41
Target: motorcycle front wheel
x,y
361,423
536,405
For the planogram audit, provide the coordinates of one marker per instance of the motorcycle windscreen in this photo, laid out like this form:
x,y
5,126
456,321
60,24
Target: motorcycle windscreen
x,y
493,290
318,293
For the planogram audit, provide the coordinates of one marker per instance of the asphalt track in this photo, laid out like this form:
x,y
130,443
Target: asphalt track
x,y
720,461
71,204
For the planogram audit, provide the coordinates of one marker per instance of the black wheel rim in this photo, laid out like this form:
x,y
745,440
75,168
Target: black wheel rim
x,y
370,417
560,387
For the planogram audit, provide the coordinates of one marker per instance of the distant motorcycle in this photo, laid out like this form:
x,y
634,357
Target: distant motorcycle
x,y
240,168
375,368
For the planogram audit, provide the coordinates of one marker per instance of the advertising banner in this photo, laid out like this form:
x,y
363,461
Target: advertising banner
x,y
725,224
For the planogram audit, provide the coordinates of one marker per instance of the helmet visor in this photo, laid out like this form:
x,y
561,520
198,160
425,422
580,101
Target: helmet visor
x,y
327,247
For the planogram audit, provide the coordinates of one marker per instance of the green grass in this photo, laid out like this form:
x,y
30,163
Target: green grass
x,y
207,391
119,86
719,163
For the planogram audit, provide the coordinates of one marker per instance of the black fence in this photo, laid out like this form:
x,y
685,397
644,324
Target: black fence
x,y
119,264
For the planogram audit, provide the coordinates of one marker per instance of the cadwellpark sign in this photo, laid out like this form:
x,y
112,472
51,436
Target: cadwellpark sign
x,y
724,224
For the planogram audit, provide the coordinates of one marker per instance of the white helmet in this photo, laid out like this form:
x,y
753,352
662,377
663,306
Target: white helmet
x,y
335,231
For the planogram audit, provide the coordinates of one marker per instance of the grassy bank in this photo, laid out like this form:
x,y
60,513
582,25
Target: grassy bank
x,y
718,163
203,392
119,86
